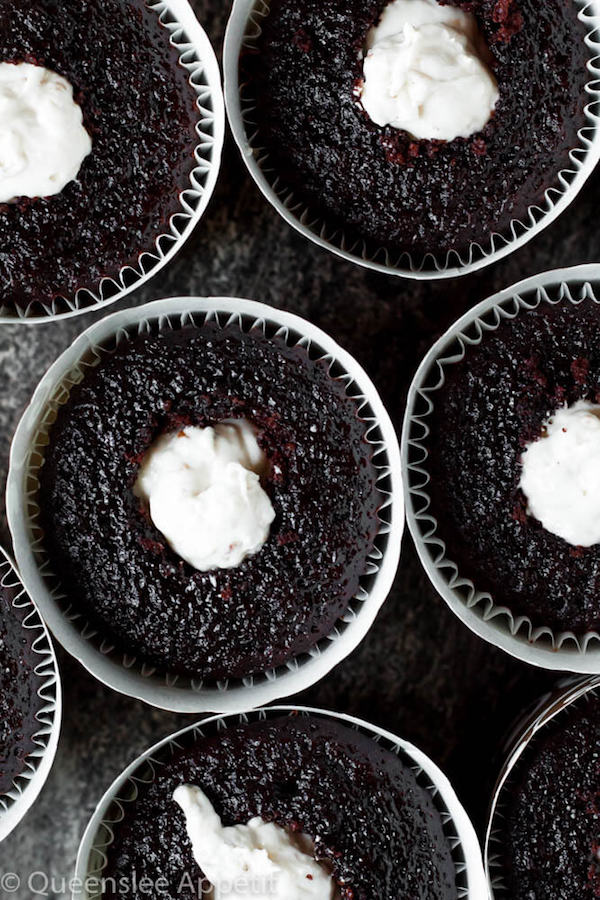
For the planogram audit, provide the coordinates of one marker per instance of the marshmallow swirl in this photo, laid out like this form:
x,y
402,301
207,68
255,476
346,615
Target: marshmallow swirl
x,y
561,474
43,141
203,490
424,72
261,860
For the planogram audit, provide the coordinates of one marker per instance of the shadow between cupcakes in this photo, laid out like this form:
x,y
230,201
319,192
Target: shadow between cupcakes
x,y
121,670
242,39
522,636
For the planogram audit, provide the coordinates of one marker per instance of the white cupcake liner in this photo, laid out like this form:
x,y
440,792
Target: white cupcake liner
x,y
244,29
25,788
198,58
544,711
531,642
100,833
121,671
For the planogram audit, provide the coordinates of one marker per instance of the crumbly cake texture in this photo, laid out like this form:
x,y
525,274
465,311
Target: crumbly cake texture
x,y
373,824
551,827
116,566
379,184
492,404
19,685
141,113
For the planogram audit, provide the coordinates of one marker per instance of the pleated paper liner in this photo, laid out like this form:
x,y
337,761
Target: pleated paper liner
x,y
243,31
124,672
533,642
526,732
198,58
112,809
25,788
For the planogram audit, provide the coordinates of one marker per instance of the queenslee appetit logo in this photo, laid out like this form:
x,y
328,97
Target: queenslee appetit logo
x,y
44,884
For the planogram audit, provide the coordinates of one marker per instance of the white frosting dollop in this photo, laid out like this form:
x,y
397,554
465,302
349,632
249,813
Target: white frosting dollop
x,y
424,71
202,486
43,141
561,474
259,860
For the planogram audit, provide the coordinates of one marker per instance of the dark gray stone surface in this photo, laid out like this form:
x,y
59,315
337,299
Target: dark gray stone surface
x,y
420,672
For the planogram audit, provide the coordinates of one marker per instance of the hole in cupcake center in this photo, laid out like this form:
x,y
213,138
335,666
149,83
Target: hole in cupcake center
x,y
426,71
261,859
43,141
561,474
203,492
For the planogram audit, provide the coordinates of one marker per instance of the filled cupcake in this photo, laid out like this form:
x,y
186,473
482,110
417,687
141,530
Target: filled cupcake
x,y
99,124
24,688
209,499
415,126
511,458
545,830
287,807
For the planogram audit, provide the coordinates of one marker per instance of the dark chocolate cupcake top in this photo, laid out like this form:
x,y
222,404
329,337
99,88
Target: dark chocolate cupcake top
x,y
20,683
303,78
116,565
141,114
374,827
497,402
549,830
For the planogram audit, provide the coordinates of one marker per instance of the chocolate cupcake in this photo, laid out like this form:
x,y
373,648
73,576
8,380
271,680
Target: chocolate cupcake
x,y
500,443
29,700
544,834
254,800
524,389
118,183
20,703
409,135
308,508
244,477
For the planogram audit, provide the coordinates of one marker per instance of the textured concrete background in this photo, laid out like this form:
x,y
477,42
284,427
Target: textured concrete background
x,y
420,672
